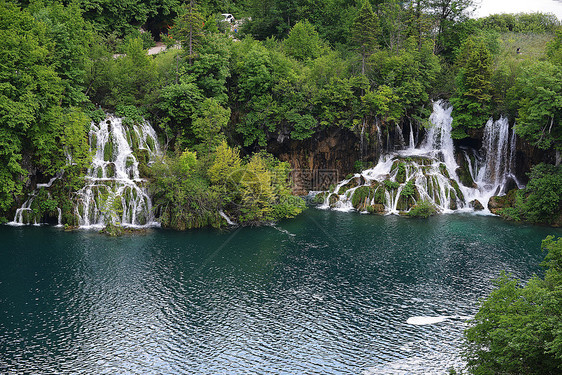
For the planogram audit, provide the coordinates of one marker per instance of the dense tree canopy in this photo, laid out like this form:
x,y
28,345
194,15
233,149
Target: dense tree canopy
x,y
292,69
518,327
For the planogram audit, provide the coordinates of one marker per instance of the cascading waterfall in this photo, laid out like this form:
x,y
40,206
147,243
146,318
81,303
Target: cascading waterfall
x,y
26,215
412,143
114,192
429,173
493,166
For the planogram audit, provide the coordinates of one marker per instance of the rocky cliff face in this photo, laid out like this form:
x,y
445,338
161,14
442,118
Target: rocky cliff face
x,y
320,161
330,155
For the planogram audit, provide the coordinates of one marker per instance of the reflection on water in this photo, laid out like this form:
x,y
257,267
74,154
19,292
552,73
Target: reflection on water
x,y
325,293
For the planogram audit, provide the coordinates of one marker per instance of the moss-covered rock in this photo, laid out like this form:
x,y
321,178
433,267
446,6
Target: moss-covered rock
x,y
404,203
375,209
334,198
423,209
476,205
458,191
465,177
443,170
380,195
362,197
108,151
354,182
391,185
113,230
497,203
320,198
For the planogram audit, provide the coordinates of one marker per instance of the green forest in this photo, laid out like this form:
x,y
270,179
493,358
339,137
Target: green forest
x,y
286,70
221,94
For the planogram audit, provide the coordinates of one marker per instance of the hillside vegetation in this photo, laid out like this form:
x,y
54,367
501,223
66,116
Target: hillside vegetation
x,y
292,71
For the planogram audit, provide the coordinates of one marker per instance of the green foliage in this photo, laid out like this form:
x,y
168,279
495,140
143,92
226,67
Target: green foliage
x,y
303,42
226,168
554,48
30,94
361,197
182,196
404,77
473,99
211,69
391,185
125,16
423,209
127,80
257,192
208,127
520,23
517,329
409,190
188,28
382,103
130,114
146,37
179,103
74,156
541,200
187,194
71,36
365,32
538,91
544,194
401,173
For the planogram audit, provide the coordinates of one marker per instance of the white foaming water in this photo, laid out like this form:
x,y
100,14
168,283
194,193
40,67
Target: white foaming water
x,y
225,217
438,139
24,214
427,320
114,192
432,170
492,172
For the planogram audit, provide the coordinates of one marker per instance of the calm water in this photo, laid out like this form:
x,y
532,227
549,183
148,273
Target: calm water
x,y
328,292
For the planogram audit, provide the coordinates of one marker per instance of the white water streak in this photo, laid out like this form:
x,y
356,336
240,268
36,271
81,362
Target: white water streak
x,y
432,167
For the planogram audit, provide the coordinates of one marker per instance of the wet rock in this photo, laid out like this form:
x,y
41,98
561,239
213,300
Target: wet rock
x,y
476,205
333,199
376,209
496,203
354,182
320,197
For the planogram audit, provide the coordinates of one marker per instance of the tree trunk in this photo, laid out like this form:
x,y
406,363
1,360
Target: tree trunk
x,y
190,32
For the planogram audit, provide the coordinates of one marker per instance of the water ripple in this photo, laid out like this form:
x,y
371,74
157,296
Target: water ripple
x,y
334,297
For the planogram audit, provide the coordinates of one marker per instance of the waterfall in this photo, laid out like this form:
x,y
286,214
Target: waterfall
x,y
495,145
403,178
412,143
362,140
492,171
24,215
401,141
438,141
114,192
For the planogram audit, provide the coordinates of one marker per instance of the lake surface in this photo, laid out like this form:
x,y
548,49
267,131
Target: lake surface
x,y
328,292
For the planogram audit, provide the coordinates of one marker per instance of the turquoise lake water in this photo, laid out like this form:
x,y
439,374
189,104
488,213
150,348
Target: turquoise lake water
x,y
326,293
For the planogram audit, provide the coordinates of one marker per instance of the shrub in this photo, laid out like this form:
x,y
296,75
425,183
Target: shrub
x,y
422,209
517,328
541,200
